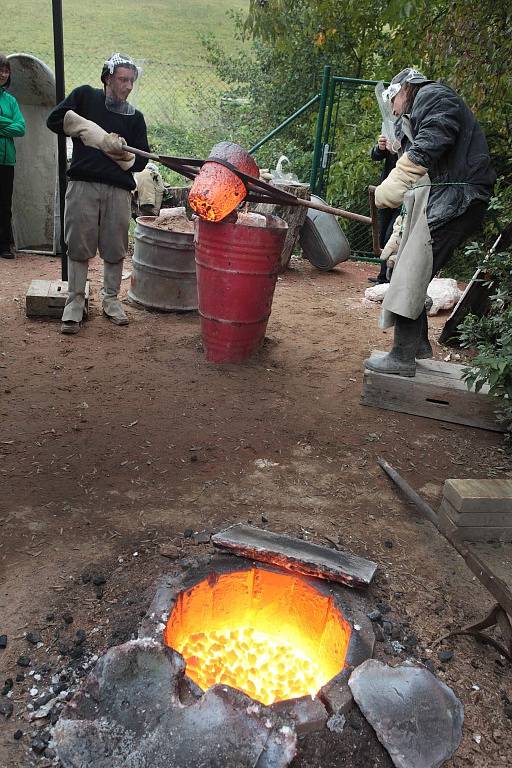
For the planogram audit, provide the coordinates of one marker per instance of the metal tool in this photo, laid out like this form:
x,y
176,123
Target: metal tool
x,y
257,191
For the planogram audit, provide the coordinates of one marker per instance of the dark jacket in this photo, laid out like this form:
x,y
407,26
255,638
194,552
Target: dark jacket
x,y
449,142
389,158
87,163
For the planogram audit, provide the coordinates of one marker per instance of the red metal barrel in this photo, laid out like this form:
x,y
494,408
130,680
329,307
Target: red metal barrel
x,y
237,268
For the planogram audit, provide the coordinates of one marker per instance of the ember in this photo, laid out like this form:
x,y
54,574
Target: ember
x,y
270,635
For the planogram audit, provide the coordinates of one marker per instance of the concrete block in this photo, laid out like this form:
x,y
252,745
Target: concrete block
x,y
46,298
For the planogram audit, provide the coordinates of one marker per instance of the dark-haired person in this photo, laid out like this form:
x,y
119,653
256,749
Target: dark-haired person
x,y
12,125
444,179
98,198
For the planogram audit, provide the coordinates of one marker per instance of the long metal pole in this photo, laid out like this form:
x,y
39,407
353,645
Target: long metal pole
x,y
58,47
319,129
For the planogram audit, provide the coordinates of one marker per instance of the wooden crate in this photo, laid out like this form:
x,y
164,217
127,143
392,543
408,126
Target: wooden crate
x,y
46,298
436,392
479,510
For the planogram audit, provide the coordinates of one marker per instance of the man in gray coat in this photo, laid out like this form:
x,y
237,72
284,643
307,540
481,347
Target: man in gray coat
x,y
445,177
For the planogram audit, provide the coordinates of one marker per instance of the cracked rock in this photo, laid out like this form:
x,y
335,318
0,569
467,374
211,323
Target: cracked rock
x,y
417,718
129,714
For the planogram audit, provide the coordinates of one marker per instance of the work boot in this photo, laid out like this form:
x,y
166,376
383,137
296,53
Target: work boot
x,y
401,361
112,307
424,350
6,252
75,302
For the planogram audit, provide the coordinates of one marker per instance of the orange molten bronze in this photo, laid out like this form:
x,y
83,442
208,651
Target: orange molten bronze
x,y
270,635
217,190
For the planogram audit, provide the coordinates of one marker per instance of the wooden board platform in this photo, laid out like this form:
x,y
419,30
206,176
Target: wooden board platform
x,y
46,298
436,392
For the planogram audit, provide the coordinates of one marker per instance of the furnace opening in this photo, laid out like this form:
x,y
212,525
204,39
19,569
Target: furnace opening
x,y
271,635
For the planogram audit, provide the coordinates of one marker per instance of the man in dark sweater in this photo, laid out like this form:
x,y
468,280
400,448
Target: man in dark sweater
x,y
97,214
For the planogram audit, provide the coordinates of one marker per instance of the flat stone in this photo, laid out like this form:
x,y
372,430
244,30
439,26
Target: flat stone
x,y
336,694
23,661
128,714
297,555
417,718
170,550
33,638
6,708
308,714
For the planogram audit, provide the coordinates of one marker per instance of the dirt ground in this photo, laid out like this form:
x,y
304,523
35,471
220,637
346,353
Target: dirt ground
x,y
120,439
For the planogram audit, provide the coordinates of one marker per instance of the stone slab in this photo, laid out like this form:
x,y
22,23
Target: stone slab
x,y
128,714
296,555
436,392
416,717
308,714
46,298
477,496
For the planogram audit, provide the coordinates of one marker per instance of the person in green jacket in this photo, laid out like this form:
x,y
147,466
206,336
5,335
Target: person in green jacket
x,y
12,124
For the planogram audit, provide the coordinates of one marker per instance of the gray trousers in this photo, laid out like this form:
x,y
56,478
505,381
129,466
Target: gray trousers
x,y
96,219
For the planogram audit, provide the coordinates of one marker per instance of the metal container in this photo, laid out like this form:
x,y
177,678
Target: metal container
x,y
322,240
237,268
164,270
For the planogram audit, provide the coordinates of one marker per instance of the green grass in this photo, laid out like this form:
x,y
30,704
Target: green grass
x,y
164,34
160,31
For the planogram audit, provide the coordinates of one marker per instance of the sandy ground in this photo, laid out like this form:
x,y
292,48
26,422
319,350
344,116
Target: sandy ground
x,y
119,439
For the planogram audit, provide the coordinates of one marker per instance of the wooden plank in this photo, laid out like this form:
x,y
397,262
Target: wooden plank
x,y
493,572
473,532
436,392
477,496
296,555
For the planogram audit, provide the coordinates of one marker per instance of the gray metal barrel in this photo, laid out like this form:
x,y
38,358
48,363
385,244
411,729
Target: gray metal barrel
x,y
164,270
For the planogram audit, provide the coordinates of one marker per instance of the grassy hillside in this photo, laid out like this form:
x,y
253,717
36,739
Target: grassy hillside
x,y
156,30
176,90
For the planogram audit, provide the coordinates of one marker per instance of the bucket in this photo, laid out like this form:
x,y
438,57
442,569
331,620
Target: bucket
x,y
164,273
237,268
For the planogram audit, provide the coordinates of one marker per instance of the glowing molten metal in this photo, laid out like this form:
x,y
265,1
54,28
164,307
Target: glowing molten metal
x,y
270,635
217,190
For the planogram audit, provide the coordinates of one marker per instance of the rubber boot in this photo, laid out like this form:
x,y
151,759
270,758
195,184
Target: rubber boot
x,y
381,277
401,361
75,303
112,307
424,350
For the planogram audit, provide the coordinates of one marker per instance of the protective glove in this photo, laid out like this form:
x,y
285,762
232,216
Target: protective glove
x,y
113,146
390,265
390,193
92,135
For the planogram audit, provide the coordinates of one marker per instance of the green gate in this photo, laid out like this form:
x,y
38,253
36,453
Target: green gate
x,y
347,111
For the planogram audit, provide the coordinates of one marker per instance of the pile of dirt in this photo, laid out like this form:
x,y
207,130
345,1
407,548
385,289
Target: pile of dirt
x,y
174,220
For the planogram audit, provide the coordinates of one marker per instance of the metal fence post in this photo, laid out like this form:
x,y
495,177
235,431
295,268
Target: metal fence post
x,y
58,45
317,152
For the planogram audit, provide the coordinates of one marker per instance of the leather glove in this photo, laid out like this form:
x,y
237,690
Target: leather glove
x,y
92,135
113,146
390,265
80,128
390,193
